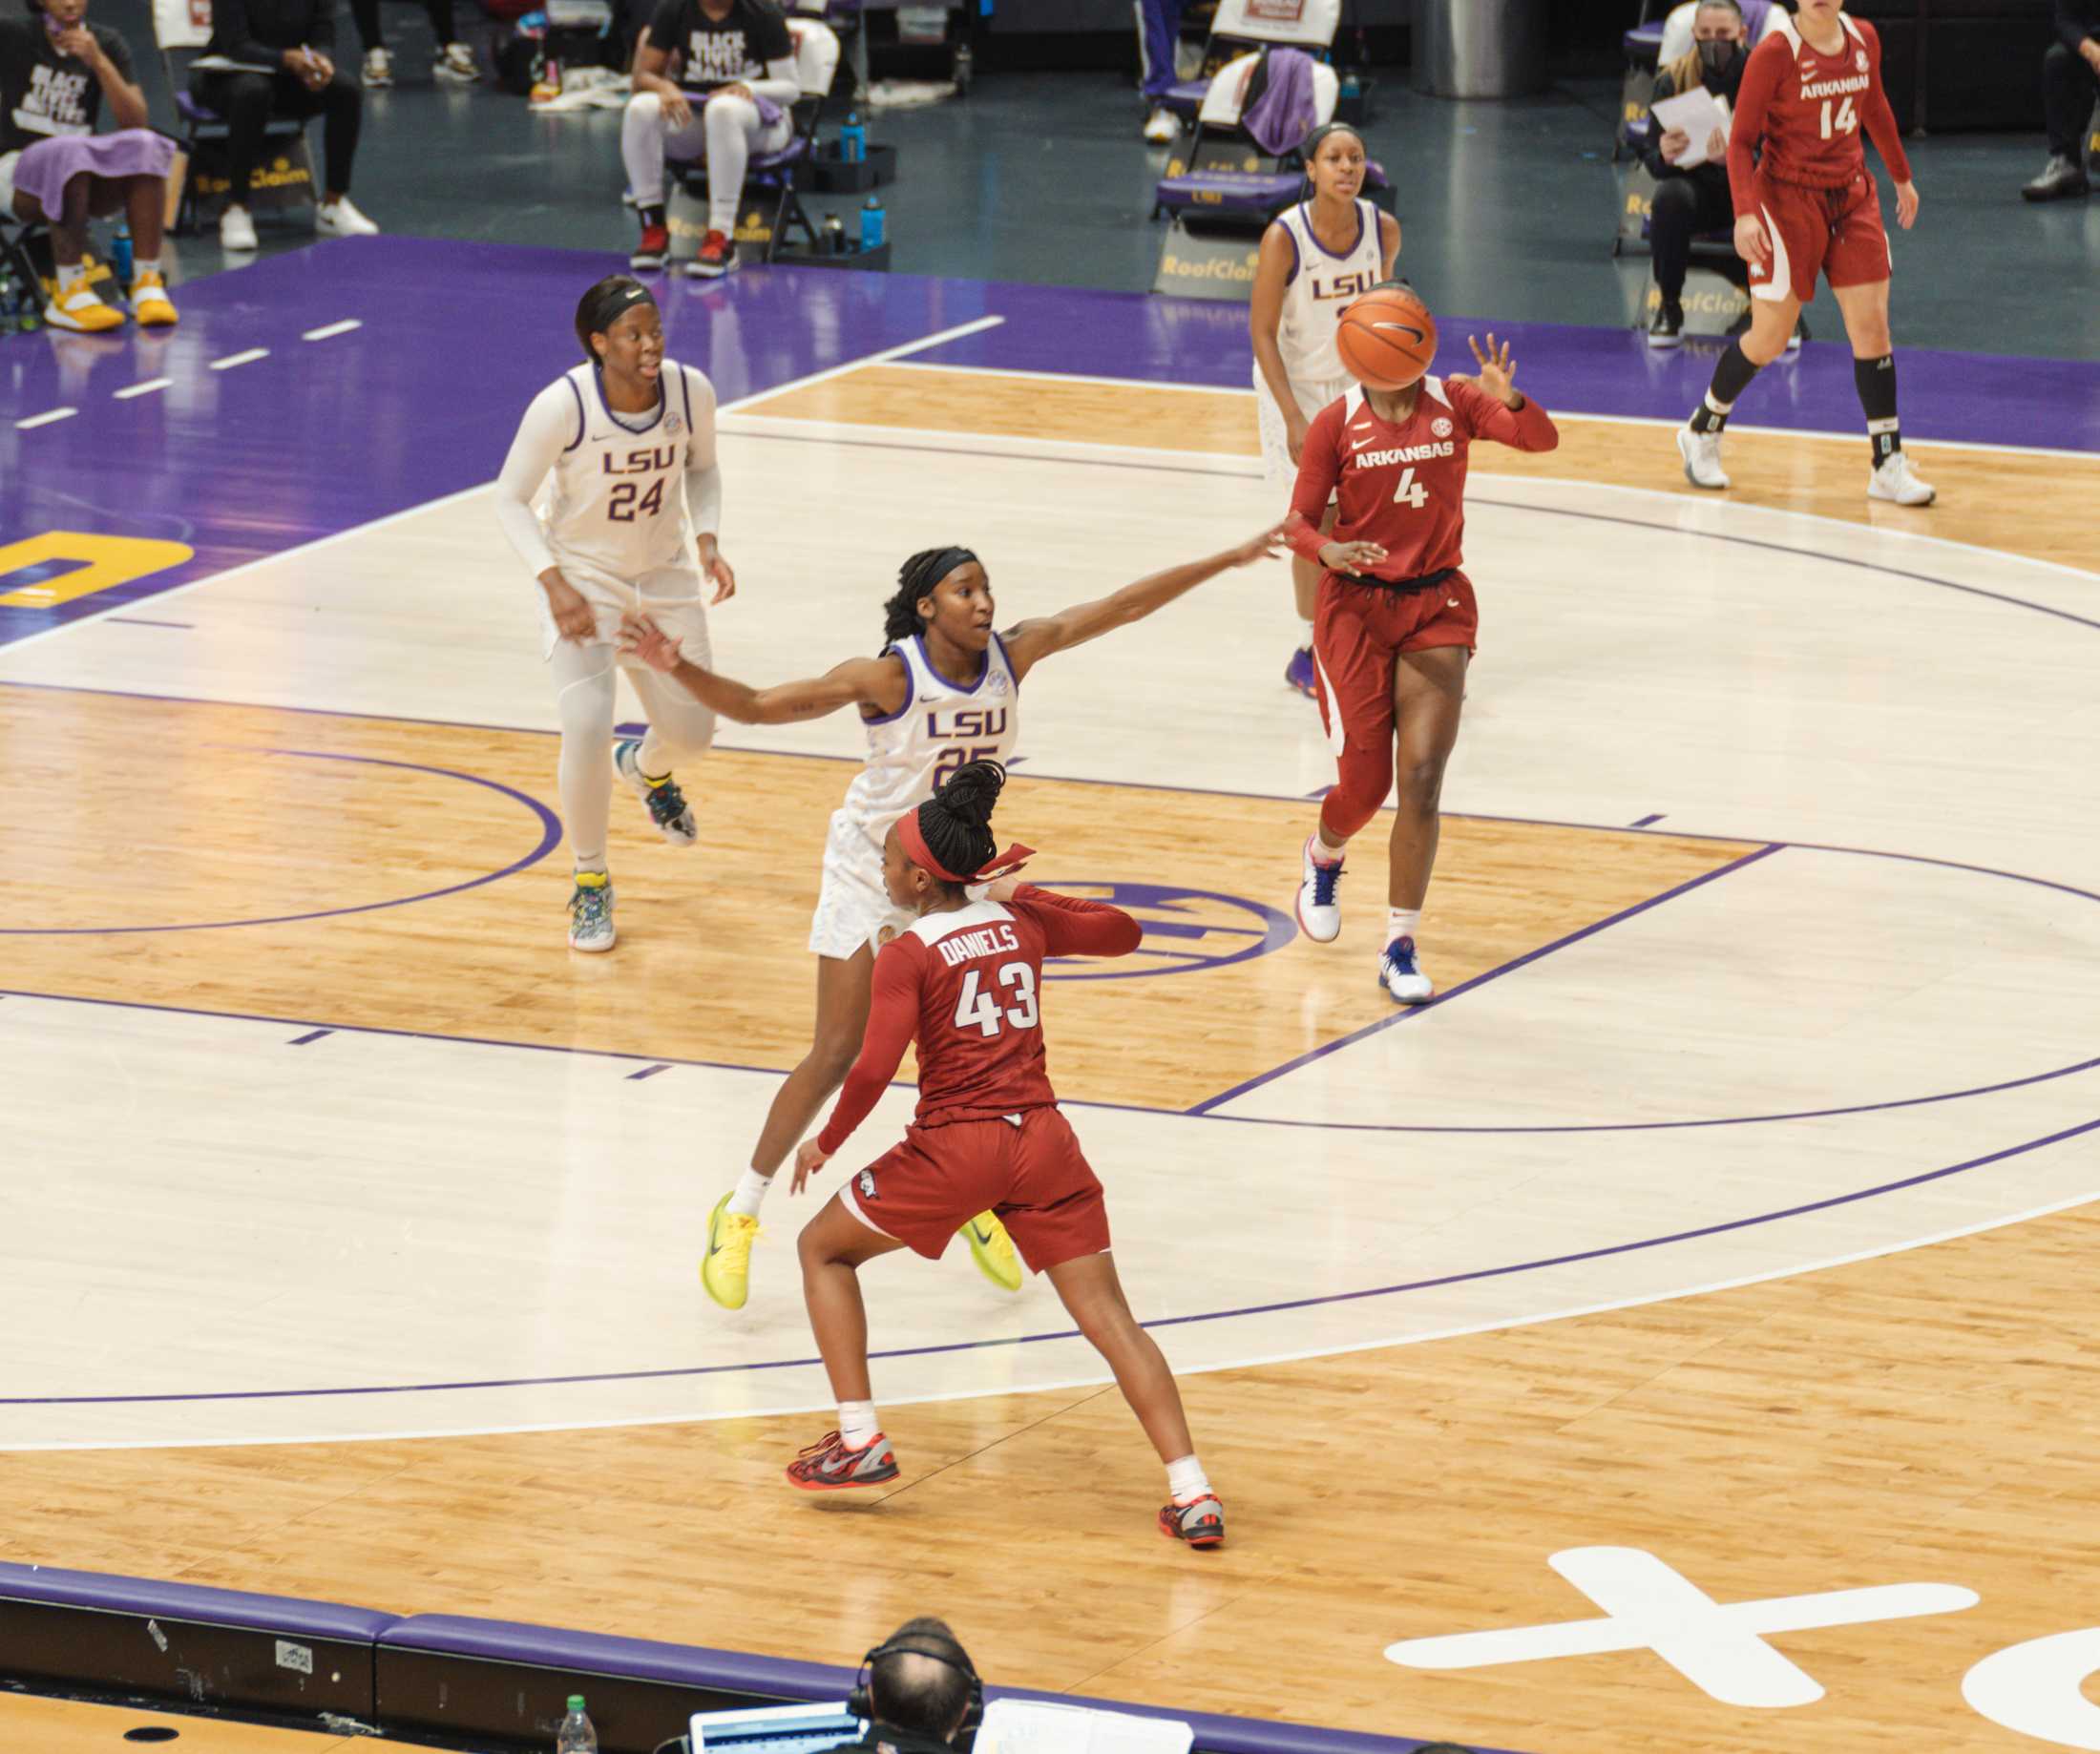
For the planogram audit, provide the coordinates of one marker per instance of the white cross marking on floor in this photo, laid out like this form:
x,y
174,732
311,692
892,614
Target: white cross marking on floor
x,y
1648,1605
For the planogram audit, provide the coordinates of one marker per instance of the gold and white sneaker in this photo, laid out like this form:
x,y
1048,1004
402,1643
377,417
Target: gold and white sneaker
x,y
82,312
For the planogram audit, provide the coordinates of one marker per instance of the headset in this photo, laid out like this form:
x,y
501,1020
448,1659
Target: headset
x,y
861,1702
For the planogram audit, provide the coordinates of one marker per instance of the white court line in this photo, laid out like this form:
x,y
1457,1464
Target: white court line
x,y
141,390
446,499
45,419
241,359
328,329
1822,434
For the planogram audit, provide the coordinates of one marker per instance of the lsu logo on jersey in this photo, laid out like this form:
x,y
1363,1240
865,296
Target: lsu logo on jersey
x,y
640,462
1342,286
978,723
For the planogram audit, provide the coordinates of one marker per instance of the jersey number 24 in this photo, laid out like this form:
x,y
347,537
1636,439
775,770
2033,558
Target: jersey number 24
x,y
975,1005
622,508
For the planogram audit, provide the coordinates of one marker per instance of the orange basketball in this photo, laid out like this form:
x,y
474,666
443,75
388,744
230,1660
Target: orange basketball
x,y
1387,338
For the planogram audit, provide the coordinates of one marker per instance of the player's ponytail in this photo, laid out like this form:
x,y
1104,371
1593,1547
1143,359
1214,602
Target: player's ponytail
x,y
916,577
600,308
956,820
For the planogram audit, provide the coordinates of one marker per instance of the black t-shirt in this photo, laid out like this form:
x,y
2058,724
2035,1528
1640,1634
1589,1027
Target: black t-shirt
x,y
735,49
44,94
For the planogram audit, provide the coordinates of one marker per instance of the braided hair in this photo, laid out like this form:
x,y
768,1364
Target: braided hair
x,y
956,819
603,305
916,577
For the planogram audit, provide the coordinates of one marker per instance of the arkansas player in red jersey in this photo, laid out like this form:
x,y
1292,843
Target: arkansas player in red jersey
x,y
1396,622
966,980
1806,204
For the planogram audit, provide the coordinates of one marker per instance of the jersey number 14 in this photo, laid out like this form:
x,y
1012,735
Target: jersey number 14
x,y
975,1005
1844,119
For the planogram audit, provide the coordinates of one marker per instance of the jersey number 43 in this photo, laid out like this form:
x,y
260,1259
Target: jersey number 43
x,y
980,1007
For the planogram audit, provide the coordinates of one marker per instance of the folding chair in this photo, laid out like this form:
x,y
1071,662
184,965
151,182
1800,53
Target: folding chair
x,y
773,173
182,30
1242,26
21,243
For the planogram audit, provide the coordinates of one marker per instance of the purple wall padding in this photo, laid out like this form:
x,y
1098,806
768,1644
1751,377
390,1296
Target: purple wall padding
x,y
183,1601
725,1671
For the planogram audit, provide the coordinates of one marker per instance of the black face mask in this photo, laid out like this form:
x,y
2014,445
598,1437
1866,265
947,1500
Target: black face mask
x,y
1719,57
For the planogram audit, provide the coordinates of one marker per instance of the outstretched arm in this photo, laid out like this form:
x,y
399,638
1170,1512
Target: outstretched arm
x,y
1032,641
879,682
1503,412
892,1019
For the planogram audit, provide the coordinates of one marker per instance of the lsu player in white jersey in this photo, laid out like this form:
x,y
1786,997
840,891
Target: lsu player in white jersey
x,y
1315,258
944,690
612,498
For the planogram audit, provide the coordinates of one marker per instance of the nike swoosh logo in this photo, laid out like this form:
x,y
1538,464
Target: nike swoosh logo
x,y
1405,328
982,1236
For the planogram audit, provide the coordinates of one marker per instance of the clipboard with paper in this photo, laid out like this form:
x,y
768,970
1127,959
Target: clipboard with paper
x,y
1697,114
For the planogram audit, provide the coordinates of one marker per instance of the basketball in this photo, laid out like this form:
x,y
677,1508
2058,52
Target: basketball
x,y
1387,338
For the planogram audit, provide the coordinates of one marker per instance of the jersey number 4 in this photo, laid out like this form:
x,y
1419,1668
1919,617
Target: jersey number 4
x,y
1844,119
1410,492
622,508
980,1007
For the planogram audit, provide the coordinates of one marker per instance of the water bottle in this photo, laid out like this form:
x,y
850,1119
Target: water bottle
x,y
852,140
871,224
575,1735
834,235
120,256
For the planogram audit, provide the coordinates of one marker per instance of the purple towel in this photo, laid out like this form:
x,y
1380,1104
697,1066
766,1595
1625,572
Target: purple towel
x,y
1286,111
769,111
45,168
1755,12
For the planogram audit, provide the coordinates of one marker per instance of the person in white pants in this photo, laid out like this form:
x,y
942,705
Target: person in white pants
x,y
736,80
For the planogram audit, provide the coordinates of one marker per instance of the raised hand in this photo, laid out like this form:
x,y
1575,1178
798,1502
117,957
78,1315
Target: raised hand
x,y
1498,370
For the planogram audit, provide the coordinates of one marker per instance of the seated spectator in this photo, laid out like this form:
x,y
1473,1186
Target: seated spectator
x,y
56,69
1691,201
1159,34
2070,85
454,64
296,38
740,62
921,1687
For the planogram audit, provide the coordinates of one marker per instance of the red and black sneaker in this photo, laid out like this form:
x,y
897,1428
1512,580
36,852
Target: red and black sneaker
x,y
828,1466
718,255
654,249
1199,1522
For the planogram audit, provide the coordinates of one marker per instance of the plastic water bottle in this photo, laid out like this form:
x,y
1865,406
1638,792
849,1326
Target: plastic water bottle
x,y
120,256
871,224
834,235
576,1736
852,140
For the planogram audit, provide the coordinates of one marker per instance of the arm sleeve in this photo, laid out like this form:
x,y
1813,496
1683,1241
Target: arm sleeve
x,y
550,426
1760,79
892,1016
782,84
1529,428
1880,118
702,474
1319,468
1072,926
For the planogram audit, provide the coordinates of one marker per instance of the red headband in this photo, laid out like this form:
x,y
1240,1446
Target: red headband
x,y
915,849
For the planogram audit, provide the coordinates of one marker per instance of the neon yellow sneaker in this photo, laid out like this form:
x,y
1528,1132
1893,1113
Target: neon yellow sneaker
x,y
993,1250
726,1270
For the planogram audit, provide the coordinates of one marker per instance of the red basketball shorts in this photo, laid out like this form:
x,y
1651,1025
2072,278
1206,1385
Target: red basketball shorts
x,y
1836,233
1033,1174
1359,630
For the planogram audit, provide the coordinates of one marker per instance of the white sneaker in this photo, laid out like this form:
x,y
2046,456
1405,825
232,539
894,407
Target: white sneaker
x,y
591,912
1162,126
379,69
1401,975
1702,455
1895,479
1319,911
341,218
456,66
668,810
236,230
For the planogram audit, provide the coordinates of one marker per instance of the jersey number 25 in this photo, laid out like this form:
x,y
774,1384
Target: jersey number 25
x,y
977,1005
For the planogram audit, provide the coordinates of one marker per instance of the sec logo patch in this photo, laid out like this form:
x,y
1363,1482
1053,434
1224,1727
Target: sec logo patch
x,y
1440,427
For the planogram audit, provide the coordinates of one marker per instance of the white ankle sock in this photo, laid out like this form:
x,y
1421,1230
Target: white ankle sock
x,y
140,266
70,276
750,1194
856,1422
1304,634
1185,1480
1321,852
1401,922
592,864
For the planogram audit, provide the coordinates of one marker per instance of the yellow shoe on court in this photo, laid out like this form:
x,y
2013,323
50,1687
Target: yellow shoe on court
x,y
151,306
993,1250
726,1270
82,312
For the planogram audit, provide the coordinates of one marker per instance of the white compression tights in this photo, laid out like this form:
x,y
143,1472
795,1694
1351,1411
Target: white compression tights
x,y
587,698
